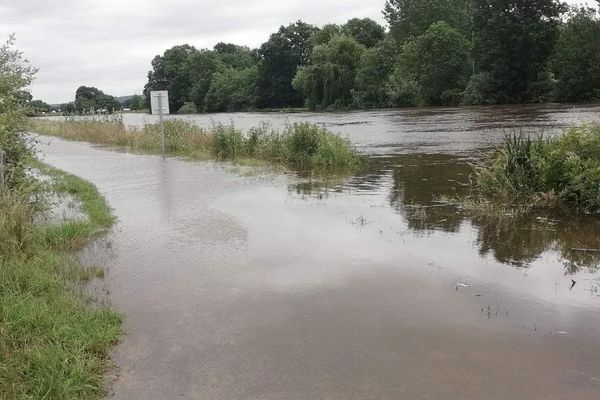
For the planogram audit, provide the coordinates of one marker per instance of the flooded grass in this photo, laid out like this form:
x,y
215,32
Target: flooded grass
x,y
300,146
545,172
53,345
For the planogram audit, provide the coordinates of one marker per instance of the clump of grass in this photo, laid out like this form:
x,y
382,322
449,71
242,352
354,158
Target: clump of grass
x,y
300,146
16,224
555,171
53,345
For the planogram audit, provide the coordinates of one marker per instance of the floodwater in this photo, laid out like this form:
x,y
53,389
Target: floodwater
x,y
244,284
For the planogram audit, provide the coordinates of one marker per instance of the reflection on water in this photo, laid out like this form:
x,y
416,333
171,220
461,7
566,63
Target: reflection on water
x,y
417,180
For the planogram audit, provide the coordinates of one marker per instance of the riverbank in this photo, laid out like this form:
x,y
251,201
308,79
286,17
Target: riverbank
x,y
54,339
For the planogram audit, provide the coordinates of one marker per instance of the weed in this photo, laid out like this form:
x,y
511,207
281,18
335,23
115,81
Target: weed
x,y
300,146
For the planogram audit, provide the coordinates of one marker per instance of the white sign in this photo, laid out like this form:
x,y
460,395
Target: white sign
x,y
159,99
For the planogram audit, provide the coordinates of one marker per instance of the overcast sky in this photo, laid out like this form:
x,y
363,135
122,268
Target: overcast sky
x,y
109,44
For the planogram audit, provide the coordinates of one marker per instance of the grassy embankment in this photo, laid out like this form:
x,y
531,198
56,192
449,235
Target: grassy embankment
x,y
54,341
528,173
299,146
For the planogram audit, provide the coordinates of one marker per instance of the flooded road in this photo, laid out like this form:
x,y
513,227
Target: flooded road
x,y
243,284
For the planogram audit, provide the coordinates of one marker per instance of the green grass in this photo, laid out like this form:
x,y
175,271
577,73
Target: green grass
x,y
301,146
562,171
53,343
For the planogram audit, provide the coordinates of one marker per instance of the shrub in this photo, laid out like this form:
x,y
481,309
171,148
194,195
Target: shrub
x,y
565,167
188,108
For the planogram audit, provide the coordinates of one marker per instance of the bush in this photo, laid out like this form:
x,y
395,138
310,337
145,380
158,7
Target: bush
x,y
566,168
188,108
480,90
301,145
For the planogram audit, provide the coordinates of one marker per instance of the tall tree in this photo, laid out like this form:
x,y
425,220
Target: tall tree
x,y
513,42
433,68
203,65
324,34
91,99
576,60
411,18
376,65
330,78
172,72
281,55
232,90
366,31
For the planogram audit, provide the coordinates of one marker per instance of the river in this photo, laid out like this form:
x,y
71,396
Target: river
x,y
241,283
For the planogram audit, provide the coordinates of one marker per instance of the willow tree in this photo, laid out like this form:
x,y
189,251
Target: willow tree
x,y
330,77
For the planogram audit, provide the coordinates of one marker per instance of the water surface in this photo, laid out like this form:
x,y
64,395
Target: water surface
x,y
244,284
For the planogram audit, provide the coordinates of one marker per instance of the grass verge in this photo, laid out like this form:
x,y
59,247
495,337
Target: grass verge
x,y
300,146
53,343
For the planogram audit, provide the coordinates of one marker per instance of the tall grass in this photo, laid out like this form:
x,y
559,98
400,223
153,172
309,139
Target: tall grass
x,y
301,145
562,170
53,345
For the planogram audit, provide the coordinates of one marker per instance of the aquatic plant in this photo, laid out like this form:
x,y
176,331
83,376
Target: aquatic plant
x,y
561,170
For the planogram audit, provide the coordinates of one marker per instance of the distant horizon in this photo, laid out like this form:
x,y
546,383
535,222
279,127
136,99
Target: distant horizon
x,y
59,37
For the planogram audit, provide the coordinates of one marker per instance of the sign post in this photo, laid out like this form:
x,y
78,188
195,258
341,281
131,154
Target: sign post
x,y
159,100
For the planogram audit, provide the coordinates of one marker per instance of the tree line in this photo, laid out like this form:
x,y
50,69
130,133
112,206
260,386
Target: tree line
x,y
88,100
435,52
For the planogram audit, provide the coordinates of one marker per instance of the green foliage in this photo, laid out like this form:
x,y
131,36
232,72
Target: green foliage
x,y
232,90
433,68
53,345
188,73
576,60
324,34
188,108
231,56
513,42
281,56
480,90
329,79
304,146
374,70
136,102
411,18
366,31
15,76
172,72
453,52
566,168
89,100
301,145
37,107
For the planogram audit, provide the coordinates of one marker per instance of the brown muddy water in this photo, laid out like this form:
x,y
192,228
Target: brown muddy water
x,y
245,284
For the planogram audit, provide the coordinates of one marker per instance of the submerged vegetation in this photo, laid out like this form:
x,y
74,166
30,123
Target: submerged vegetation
x,y
300,146
554,171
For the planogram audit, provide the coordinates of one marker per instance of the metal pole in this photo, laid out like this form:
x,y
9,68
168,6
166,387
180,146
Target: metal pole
x,y
162,124
1,171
